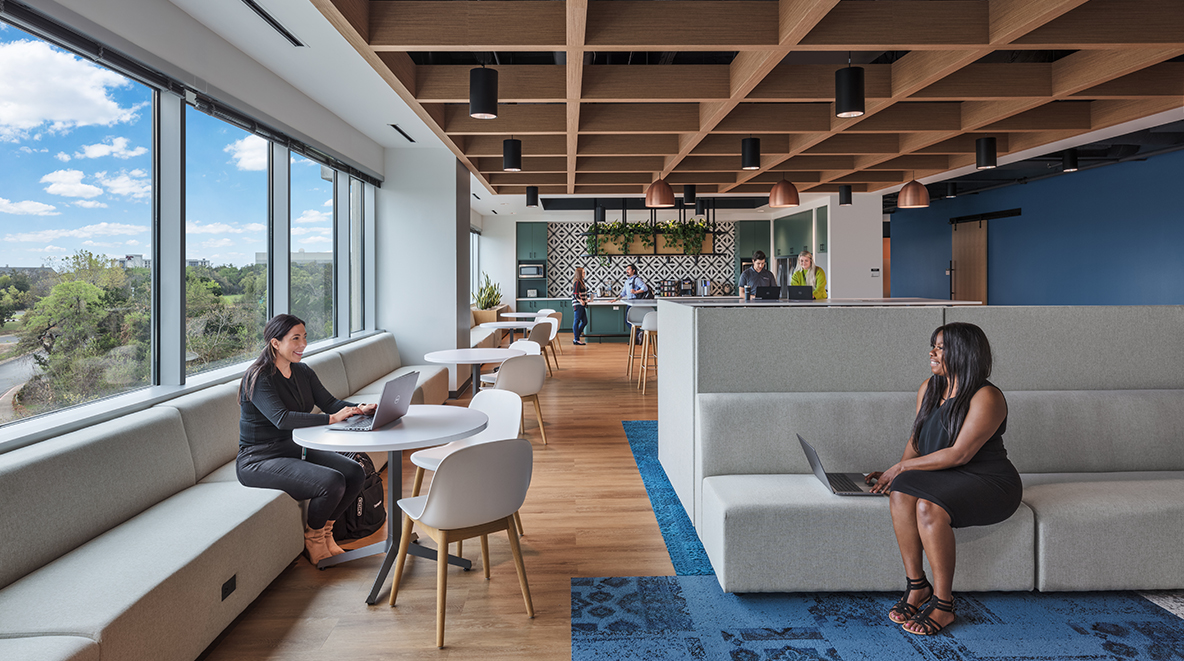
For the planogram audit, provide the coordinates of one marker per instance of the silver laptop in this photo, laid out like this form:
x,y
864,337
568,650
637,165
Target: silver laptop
x,y
396,397
840,484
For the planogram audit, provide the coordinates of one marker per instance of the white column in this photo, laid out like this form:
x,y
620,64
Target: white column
x,y
856,250
422,254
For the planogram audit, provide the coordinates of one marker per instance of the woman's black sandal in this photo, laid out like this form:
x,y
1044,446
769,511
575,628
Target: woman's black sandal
x,y
929,627
903,608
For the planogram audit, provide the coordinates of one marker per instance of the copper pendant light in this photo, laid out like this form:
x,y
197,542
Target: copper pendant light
x,y
784,194
659,194
914,195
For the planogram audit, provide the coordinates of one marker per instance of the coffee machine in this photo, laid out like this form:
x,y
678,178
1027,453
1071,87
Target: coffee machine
x,y
686,287
703,287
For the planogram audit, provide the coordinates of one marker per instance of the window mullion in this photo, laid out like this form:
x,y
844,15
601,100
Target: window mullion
x,y
341,255
279,268
168,250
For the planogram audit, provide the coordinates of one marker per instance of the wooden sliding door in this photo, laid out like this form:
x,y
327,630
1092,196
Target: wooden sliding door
x,y
968,271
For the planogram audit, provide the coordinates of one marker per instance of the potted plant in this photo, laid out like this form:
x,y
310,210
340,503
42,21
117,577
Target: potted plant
x,y
487,301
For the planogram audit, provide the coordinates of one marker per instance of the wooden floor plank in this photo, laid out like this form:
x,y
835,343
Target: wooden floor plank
x,y
587,514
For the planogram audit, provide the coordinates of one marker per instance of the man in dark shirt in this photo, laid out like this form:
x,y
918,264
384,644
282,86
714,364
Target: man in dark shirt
x,y
757,275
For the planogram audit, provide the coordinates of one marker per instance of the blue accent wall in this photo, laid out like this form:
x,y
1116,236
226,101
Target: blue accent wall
x,y
1112,235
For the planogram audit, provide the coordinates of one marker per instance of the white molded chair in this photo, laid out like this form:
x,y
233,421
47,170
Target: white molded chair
x,y
552,333
555,343
634,316
476,491
531,349
524,375
649,348
541,334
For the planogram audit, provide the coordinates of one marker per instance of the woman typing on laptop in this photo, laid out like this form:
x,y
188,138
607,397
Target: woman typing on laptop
x,y
954,473
277,395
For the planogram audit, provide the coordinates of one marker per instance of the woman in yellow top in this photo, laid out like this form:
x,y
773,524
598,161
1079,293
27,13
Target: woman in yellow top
x,y
807,273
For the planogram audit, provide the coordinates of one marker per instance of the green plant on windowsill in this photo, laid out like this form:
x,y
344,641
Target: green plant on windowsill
x,y
488,295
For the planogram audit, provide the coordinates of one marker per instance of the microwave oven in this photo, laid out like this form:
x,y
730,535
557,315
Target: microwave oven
x,y
530,271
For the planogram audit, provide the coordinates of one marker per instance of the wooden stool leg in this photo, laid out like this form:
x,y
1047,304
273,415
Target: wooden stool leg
x,y
539,412
518,521
460,549
485,554
418,481
632,343
517,552
441,587
645,343
404,544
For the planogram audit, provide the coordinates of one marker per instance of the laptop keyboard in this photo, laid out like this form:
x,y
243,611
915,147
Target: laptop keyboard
x,y
840,482
358,423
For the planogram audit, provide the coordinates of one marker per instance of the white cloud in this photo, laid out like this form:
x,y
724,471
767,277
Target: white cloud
x,y
250,153
117,147
46,87
27,208
100,244
316,239
51,248
68,183
62,156
135,184
301,231
194,227
85,232
328,203
132,242
29,150
254,227
313,216
90,204
217,243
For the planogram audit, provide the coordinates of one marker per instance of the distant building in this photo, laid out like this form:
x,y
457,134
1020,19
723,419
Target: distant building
x,y
32,271
301,257
135,262
198,262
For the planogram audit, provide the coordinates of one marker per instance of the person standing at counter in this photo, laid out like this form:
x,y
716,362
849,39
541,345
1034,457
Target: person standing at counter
x,y
579,299
757,275
634,287
808,273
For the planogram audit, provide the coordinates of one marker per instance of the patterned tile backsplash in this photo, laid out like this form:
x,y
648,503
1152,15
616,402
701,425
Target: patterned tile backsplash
x,y
565,245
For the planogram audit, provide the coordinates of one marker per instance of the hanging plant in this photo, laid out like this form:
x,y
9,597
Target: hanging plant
x,y
644,232
618,233
691,233
592,244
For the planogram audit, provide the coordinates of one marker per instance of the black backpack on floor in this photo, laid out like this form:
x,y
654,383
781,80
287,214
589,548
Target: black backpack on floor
x,y
368,513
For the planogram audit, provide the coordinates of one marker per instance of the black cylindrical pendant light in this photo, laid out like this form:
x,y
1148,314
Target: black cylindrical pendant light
x,y
845,195
701,206
750,154
849,91
598,214
532,196
512,155
984,153
483,93
1069,160
951,190
688,194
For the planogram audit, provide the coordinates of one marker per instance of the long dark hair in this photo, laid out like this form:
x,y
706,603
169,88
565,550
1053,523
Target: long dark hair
x,y
276,329
967,356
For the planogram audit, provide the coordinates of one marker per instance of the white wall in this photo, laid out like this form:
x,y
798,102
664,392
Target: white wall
x,y
422,254
499,255
856,248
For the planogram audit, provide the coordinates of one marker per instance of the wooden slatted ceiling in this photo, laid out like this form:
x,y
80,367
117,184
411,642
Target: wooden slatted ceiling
x,y
612,129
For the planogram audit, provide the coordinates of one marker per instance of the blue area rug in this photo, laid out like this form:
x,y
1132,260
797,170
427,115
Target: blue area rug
x,y
689,617
682,542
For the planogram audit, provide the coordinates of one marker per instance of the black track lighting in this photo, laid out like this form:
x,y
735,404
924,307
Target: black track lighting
x,y
849,91
984,153
1069,160
598,214
512,155
532,196
483,93
951,190
750,154
701,206
845,195
688,194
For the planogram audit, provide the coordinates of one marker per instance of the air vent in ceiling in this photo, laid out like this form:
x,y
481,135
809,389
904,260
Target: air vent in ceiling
x,y
403,133
270,20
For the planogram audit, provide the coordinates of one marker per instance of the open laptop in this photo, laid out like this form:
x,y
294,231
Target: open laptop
x,y
840,484
801,293
768,293
396,397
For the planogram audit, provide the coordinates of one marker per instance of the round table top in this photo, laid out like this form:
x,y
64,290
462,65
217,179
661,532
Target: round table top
x,y
423,426
509,324
520,315
472,356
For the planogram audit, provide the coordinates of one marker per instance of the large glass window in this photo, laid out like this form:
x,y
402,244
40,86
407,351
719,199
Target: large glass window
x,y
357,230
76,219
225,242
313,255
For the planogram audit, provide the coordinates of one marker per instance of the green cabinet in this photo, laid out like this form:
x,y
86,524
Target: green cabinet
x,y
607,319
564,305
556,304
792,234
532,241
751,236
820,228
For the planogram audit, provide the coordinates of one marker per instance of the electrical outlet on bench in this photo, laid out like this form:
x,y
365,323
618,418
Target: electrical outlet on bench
x,y
228,587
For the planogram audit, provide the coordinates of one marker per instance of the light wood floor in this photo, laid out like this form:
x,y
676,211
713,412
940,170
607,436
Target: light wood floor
x,y
587,514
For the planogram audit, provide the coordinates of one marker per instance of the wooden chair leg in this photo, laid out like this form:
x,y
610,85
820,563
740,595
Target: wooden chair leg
x,y
546,360
557,343
645,345
539,413
401,559
485,554
441,588
418,481
632,344
518,521
554,355
460,548
516,550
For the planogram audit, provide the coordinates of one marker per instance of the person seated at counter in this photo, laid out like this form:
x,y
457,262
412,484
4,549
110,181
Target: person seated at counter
x,y
809,273
634,287
757,275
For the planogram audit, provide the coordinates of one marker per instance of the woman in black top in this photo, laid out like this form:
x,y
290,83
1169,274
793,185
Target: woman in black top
x,y
954,472
579,299
277,395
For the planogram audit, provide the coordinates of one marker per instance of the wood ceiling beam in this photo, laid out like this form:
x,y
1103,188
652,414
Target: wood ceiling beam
x,y
902,25
1107,113
710,164
853,144
399,63
1085,69
607,178
748,118
511,119
610,190
834,188
515,84
1055,116
1166,79
1112,24
681,25
681,83
521,190
576,35
908,162
992,81
490,146
627,145
804,83
1013,19
729,145
965,144
808,162
529,163
639,118
649,164
908,117
700,178
796,176
449,25
527,178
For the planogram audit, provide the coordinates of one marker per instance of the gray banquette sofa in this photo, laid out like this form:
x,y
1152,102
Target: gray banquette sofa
x,y
1095,427
120,539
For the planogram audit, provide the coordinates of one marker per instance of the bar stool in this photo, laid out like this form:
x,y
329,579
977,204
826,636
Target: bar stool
x,y
649,328
634,316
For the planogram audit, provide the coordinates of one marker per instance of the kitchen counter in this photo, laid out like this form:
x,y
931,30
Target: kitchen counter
x,y
735,302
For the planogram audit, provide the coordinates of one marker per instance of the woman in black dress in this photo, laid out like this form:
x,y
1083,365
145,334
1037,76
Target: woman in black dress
x,y
277,395
954,472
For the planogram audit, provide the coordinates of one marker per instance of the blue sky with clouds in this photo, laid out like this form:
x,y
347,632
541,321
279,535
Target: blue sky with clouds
x,y
76,163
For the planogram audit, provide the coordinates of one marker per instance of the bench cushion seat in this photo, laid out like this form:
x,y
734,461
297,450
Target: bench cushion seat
x,y
49,648
431,386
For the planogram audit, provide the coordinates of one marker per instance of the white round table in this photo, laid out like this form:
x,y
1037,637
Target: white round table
x,y
520,315
511,326
474,357
422,426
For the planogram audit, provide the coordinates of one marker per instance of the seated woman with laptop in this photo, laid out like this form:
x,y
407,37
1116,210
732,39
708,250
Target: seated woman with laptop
x,y
277,395
807,273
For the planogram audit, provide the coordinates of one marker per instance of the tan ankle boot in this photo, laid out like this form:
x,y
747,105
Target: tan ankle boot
x,y
315,546
330,542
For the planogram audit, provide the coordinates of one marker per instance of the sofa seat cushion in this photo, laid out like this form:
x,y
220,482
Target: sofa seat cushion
x,y
331,372
788,533
49,648
1116,535
431,386
210,417
172,558
367,360
224,473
